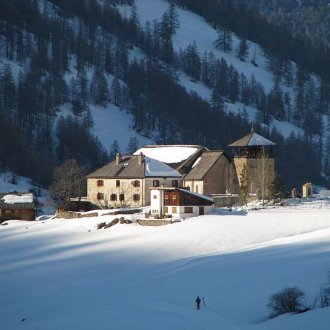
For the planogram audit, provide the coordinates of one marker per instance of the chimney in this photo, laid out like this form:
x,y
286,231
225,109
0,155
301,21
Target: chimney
x,y
118,158
140,158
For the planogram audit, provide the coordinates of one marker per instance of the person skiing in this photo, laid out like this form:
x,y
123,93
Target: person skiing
x,y
198,302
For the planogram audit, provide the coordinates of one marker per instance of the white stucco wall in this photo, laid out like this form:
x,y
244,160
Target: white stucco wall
x,y
157,202
179,211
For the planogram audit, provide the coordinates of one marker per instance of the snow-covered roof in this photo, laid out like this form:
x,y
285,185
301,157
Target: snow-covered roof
x,y
169,153
131,167
17,198
155,168
252,139
185,191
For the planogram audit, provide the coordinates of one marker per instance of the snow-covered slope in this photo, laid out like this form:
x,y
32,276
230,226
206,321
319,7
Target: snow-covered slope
x,y
193,28
65,274
111,123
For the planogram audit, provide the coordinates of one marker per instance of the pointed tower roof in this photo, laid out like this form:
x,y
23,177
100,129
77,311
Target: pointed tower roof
x,y
252,139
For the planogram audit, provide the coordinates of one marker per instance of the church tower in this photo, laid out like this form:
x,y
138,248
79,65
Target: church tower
x,y
254,154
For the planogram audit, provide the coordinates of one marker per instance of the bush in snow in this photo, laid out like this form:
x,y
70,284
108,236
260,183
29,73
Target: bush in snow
x,y
323,296
288,300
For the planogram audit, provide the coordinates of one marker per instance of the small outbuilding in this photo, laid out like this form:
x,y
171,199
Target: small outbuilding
x,y
178,203
17,206
307,190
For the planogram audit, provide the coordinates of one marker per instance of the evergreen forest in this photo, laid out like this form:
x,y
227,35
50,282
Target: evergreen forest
x,y
79,53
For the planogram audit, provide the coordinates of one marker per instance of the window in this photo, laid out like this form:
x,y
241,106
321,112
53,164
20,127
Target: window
x,y
100,196
100,183
113,197
155,183
188,209
154,196
121,197
175,183
174,209
165,209
117,183
136,183
166,197
136,197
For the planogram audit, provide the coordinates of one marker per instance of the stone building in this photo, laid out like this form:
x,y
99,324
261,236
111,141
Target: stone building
x,y
126,181
207,175
253,154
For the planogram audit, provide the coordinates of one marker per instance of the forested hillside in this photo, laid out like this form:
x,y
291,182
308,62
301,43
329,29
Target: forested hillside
x,y
86,53
308,19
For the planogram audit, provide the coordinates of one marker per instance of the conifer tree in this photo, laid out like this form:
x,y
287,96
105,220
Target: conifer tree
x,y
7,93
133,145
243,49
114,149
99,88
224,39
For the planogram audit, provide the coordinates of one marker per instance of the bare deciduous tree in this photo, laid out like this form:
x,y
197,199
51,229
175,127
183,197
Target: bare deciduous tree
x,y
69,180
264,174
230,179
323,296
243,185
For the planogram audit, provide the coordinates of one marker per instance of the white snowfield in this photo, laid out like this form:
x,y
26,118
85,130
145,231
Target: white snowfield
x,y
66,274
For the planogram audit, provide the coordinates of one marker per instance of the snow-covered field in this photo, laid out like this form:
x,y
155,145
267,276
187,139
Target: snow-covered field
x,y
66,274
